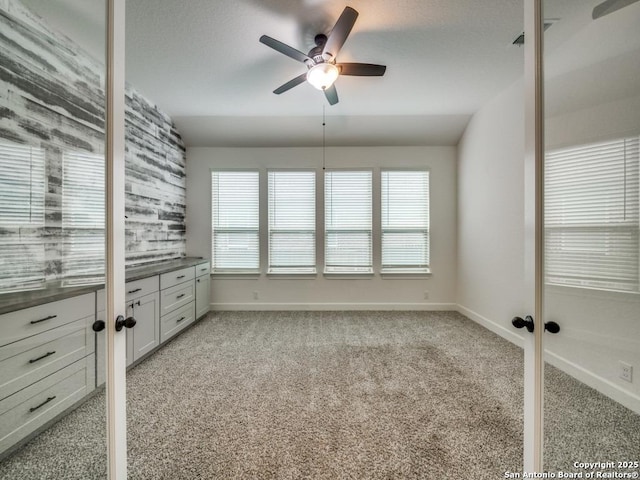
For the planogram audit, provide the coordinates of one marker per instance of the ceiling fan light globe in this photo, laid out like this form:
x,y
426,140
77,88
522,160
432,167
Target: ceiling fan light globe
x,y
322,75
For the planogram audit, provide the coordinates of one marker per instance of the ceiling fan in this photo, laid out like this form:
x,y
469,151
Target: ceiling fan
x,y
610,6
321,60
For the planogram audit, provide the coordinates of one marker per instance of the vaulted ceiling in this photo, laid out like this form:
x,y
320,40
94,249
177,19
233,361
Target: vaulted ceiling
x,y
202,63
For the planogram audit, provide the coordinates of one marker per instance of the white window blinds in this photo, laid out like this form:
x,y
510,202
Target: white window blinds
x,y
405,220
83,216
591,215
22,192
235,220
348,215
292,221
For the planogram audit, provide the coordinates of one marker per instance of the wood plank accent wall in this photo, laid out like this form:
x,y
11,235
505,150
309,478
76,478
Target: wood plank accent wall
x,y
52,98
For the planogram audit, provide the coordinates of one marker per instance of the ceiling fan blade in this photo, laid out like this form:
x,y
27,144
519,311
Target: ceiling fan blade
x,y
339,34
332,94
361,69
291,83
610,6
286,49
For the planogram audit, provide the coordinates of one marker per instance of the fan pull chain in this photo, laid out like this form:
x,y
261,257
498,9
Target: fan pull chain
x,y
324,138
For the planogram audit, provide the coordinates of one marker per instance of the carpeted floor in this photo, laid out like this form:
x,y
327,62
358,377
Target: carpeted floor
x,y
330,395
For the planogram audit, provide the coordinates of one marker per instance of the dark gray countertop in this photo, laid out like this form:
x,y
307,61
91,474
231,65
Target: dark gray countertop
x,y
12,301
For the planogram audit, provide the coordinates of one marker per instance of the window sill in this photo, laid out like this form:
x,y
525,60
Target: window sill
x,y
405,273
292,274
346,274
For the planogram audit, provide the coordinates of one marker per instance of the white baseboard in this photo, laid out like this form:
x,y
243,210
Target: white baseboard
x,y
602,385
496,328
332,306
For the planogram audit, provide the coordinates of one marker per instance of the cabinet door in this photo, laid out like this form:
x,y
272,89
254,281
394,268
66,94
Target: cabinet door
x,y
145,336
202,295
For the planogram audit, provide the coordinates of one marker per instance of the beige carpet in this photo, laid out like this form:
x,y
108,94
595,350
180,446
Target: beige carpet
x,y
323,395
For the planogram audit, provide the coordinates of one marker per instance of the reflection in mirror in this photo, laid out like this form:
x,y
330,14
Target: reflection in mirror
x,y
592,129
51,242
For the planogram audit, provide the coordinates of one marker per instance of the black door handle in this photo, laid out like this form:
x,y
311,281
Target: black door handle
x,y
551,327
122,322
527,322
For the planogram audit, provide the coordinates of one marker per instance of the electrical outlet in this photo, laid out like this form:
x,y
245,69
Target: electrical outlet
x,y
425,295
256,295
625,371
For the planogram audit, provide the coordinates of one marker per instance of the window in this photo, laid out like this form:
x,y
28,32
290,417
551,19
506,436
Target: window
x,y
347,196
83,217
22,190
235,221
591,215
405,220
292,221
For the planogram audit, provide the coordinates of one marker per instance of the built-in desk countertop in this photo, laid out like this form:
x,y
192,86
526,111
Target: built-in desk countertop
x,y
53,291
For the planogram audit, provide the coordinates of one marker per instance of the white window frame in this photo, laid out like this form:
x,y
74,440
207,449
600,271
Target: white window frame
x,y
83,219
345,270
23,248
256,230
573,231
414,269
291,269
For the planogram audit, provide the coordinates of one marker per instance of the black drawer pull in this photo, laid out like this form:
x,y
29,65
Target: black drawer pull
x,y
181,295
134,291
203,269
198,280
33,409
180,319
181,276
48,354
33,322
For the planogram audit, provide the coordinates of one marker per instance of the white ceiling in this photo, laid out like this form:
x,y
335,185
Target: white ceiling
x,y
202,63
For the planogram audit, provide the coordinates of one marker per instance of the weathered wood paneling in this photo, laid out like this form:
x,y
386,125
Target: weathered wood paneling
x,y
52,97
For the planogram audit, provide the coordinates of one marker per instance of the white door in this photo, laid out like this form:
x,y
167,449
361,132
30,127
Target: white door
x,y
115,258
61,203
582,402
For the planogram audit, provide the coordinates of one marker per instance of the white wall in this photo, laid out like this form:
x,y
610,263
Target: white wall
x,y
320,292
598,328
491,214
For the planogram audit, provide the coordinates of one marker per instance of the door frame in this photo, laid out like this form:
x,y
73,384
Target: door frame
x,y
115,227
534,235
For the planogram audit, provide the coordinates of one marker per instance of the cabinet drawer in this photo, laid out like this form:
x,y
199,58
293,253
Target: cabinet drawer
x,y
170,279
176,297
30,408
140,288
175,321
30,360
203,269
34,320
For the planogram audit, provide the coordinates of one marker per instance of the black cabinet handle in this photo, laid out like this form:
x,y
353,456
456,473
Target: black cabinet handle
x,y
180,319
520,323
48,354
33,322
198,280
98,325
181,276
181,295
33,409
134,291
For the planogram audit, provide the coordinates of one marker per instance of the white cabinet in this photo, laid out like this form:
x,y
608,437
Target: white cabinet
x,y
47,364
145,336
177,301
143,303
203,288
